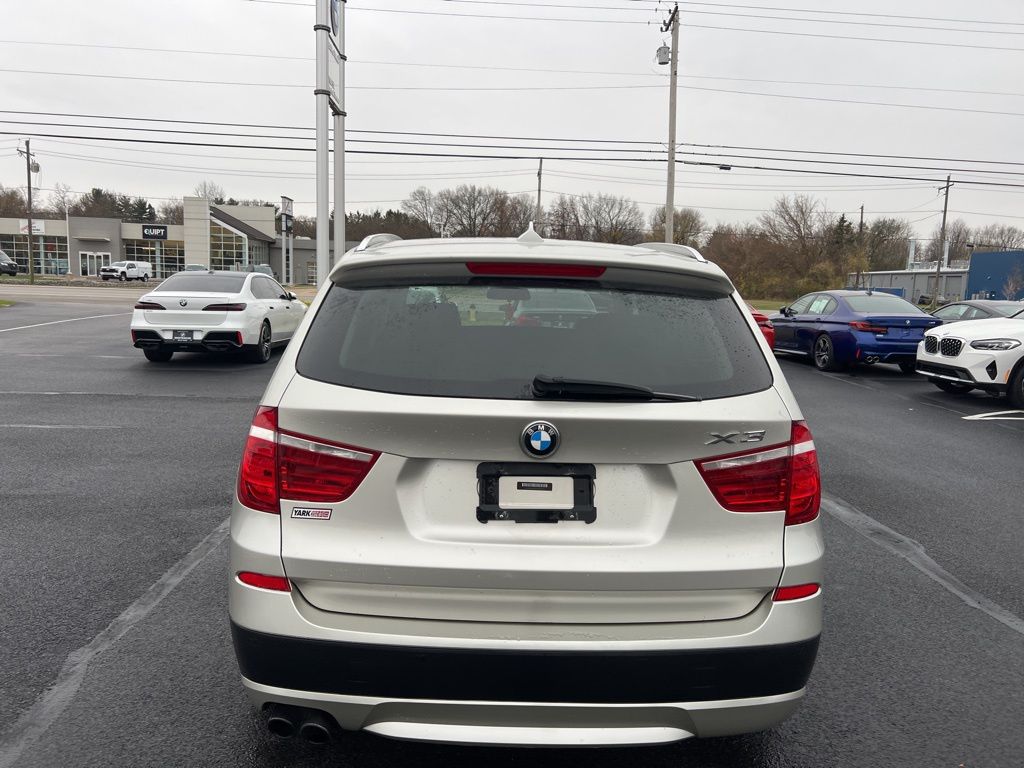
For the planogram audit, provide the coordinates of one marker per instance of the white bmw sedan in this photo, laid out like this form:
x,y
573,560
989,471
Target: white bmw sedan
x,y
215,312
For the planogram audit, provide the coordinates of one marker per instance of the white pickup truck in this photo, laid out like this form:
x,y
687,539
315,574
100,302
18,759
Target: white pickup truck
x,y
127,270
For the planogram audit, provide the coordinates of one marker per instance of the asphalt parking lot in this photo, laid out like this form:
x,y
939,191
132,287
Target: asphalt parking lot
x,y
116,480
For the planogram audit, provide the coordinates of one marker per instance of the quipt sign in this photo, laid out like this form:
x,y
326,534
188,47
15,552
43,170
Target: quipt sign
x,y
154,231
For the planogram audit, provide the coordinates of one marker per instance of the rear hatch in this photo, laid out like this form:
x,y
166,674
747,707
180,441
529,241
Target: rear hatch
x,y
406,440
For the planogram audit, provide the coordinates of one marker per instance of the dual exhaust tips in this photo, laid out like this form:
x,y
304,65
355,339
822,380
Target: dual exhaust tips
x,y
284,721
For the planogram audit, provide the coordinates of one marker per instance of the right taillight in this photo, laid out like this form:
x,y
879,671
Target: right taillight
x,y
277,464
783,477
224,308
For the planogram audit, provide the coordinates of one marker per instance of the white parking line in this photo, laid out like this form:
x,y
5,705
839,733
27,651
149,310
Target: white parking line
x,y
997,416
56,426
52,703
58,322
914,553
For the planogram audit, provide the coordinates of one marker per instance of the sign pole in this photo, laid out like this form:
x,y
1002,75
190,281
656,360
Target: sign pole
x,y
323,181
339,136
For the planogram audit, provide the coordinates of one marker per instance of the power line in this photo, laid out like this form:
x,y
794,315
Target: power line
x,y
652,22
395,153
420,65
732,14
494,137
531,89
464,145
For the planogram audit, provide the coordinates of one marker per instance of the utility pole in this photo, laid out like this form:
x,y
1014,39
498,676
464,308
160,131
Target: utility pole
x,y
29,166
942,246
540,176
860,245
670,196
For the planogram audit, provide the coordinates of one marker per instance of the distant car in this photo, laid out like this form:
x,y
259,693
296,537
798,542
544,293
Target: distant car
x,y
925,298
263,269
836,329
976,354
553,307
8,266
765,324
977,309
196,268
215,312
127,270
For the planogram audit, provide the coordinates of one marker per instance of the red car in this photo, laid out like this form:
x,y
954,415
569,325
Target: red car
x,y
764,324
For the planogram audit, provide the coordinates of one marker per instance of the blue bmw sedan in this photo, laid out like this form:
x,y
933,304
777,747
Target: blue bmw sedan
x,y
837,329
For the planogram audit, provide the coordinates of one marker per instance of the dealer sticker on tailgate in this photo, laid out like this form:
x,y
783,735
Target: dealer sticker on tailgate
x,y
311,513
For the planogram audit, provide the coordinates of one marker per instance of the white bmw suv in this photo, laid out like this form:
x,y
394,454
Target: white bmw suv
x,y
590,528
977,354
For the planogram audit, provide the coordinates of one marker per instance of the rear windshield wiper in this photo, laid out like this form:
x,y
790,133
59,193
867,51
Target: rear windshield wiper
x,y
556,388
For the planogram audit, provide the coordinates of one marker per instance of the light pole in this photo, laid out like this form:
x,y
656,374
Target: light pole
x,y
671,58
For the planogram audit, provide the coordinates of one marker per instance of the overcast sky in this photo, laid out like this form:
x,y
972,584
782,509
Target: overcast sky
x,y
279,92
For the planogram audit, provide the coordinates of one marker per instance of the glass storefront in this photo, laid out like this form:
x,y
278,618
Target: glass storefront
x,y
166,256
227,249
50,252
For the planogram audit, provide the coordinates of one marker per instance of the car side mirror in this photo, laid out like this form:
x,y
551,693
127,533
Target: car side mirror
x,y
293,296
784,311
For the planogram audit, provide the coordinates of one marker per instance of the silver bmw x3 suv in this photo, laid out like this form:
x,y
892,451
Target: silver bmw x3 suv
x,y
526,491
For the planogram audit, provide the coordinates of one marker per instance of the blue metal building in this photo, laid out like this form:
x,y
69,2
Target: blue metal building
x,y
989,273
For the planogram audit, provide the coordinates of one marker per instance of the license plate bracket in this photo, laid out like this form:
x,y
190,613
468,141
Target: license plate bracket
x,y
581,477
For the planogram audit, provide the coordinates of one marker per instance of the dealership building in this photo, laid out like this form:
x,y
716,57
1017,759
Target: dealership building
x,y
221,237
986,275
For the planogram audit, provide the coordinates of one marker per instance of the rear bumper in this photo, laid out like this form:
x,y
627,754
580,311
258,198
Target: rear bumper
x,y
212,341
476,674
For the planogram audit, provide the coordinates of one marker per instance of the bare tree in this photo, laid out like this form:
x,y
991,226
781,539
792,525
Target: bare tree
x,y
998,236
886,240
171,211
688,226
60,200
1014,283
472,210
422,204
209,190
958,234
513,214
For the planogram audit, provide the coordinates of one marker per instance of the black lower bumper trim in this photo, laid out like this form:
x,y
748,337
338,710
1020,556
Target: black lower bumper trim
x,y
388,671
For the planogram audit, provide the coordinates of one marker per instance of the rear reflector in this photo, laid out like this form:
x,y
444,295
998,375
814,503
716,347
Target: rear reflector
x,y
533,269
795,593
263,581
783,477
284,465
224,308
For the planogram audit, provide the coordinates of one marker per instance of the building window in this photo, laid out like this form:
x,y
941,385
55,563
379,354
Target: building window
x,y
166,256
227,249
258,252
50,252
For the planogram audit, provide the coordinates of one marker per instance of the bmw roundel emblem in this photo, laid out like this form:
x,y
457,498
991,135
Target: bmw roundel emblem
x,y
540,439
183,302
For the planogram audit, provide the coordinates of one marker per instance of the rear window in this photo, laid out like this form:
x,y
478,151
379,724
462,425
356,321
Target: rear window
x,y
478,341
202,283
882,302
1007,308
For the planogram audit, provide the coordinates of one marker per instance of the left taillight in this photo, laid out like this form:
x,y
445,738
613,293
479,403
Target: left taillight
x,y
257,474
278,464
151,305
784,477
